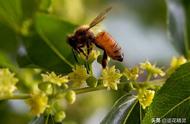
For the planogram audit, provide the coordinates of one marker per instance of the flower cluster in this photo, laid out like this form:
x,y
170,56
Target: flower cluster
x,y
131,74
111,77
78,76
152,69
38,103
55,79
91,57
176,63
53,87
7,82
145,97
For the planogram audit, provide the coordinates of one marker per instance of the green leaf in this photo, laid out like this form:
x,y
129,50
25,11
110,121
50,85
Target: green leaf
x,y
30,7
121,111
11,13
23,60
9,42
182,111
5,62
178,24
172,97
54,32
134,117
14,12
45,4
48,48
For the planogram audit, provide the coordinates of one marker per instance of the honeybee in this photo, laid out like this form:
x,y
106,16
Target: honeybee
x,y
84,37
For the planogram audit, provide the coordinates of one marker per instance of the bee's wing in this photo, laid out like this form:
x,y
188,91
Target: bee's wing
x,y
100,17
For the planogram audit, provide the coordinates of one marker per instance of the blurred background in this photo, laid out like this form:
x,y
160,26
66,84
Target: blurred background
x,y
139,26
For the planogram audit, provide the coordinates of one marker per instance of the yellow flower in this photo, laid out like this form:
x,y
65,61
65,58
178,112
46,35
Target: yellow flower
x,y
92,56
176,63
131,74
110,77
55,79
152,69
145,97
7,82
79,75
38,103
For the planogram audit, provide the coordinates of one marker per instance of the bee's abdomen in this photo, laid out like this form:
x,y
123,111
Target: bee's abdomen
x,y
106,42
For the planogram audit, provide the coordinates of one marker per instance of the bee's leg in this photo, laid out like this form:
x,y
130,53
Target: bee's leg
x,y
89,47
82,51
104,59
75,56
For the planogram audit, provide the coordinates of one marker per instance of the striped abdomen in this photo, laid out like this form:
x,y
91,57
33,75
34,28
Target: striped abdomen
x,y
106,42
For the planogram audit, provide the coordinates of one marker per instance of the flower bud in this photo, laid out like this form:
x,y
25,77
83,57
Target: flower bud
x,y
70,96
46,88
91,81
59,116
65,86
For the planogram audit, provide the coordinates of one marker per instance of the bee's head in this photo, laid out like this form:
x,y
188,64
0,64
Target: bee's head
x,y
81,31
71,40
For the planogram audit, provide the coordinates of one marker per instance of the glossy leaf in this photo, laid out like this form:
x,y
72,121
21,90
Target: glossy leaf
x,y
121,111
30,7
48,47
11,13
55,32
9,42
5,61
23,59
182,111
134,117
172,96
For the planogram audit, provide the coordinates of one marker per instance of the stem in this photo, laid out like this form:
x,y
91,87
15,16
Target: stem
x,y
140,114
88,89
47,118
90,67
19,97
149,75
158,82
